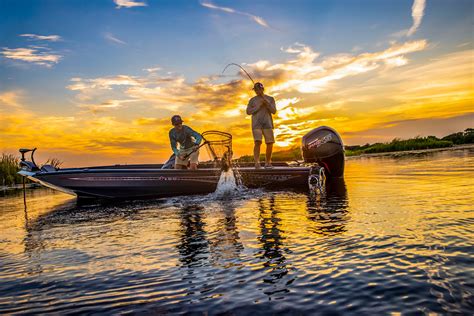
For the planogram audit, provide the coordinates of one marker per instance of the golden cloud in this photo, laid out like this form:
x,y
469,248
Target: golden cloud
x,y
36,56
352,93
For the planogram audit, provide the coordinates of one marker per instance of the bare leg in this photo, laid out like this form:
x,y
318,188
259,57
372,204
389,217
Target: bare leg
x,y
256,152
268,154
179,167
193,166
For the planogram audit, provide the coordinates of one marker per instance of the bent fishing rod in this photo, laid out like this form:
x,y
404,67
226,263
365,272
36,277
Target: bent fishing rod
x,y
240,68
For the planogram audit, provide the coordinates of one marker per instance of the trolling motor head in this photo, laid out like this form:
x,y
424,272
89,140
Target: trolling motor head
x,y
28,165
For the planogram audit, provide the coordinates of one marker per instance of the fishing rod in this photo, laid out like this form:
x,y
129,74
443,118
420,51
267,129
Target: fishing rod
x,y
240,68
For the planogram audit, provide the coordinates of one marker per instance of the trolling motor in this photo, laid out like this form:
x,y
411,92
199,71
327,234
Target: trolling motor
x,y
28,165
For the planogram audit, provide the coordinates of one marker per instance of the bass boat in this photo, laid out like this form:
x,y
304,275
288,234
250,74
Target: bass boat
x,y
322,150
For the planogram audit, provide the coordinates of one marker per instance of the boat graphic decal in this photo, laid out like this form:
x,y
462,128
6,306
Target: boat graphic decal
x,y
210,179
319,141
270,177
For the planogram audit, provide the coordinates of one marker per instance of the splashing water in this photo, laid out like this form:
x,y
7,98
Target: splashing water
x,y
228,184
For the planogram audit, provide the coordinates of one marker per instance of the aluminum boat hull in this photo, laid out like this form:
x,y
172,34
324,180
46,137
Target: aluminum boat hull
x,y
149,181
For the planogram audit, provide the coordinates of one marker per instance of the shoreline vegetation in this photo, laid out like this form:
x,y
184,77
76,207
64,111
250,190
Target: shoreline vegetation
x,y
9,163
395,146
9,167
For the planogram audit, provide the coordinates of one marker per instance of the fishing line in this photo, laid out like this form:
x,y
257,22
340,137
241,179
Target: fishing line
x,y
240,68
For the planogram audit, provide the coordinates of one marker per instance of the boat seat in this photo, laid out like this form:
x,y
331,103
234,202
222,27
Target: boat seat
x,y
48,168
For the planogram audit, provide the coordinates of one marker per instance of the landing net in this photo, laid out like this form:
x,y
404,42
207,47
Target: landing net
x,y
219,144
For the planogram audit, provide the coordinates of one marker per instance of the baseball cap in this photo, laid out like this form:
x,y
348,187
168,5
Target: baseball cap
x,y
176,119
258,85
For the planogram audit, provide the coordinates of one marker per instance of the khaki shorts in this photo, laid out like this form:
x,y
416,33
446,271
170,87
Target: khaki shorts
x,y
193,158
267,133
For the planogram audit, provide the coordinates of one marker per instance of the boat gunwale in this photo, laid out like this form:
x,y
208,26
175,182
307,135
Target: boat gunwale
x,y
138,170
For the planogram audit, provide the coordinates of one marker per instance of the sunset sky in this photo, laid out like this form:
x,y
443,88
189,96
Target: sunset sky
x,y
96,82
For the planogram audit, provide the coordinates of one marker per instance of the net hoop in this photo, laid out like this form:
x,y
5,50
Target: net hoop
x,y
218,143
217,137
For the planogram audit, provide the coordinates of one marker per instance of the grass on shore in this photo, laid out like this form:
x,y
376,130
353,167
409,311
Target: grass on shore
x,y
417,143
9,167
8,170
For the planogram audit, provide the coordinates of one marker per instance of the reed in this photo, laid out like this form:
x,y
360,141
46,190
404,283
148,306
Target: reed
x,y
56,163
9,170
9,167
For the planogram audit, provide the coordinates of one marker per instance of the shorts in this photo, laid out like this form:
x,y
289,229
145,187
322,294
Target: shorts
x,y
267,133
193,158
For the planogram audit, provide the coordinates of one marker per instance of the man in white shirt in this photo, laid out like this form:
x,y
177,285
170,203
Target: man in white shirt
x,y
261,107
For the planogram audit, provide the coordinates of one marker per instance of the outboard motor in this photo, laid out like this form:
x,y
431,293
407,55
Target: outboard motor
x,y
323,146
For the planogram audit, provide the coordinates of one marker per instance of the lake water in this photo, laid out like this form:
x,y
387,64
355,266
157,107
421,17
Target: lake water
x,y
396,236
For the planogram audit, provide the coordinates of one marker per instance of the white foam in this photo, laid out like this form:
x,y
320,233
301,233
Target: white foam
x,y
227,184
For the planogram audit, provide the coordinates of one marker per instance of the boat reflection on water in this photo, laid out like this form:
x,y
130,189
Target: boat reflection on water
x,y
272,247
329,211
225,240
200,244
47,232
281,224
209,246
193,247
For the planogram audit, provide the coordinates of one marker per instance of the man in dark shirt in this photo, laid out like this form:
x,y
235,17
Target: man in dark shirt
x,y
187,139
261,107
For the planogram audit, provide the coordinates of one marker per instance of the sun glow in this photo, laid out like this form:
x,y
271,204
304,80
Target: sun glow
x,y
126,117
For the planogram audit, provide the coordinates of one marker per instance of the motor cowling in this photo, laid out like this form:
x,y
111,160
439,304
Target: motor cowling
x,y
324,146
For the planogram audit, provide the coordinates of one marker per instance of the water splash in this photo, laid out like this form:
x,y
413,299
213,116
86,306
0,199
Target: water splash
x,y
228,184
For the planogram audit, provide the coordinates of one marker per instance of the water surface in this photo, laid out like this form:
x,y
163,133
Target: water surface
x,y
395,236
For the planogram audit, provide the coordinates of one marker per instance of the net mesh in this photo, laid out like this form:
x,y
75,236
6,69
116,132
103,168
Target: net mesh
x,y
219,144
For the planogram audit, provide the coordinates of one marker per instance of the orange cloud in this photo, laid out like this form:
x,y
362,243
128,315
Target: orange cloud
x,y
354,93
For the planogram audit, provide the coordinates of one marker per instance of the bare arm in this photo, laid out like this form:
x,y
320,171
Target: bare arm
x,y
252,107
270,105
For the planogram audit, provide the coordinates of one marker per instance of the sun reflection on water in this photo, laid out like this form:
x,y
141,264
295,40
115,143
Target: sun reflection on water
x,y
397,231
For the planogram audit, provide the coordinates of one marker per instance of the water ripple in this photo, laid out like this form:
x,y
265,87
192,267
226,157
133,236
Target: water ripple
x,y
394,237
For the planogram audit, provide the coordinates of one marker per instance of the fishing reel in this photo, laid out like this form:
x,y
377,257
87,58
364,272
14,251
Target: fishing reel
x,y
317,180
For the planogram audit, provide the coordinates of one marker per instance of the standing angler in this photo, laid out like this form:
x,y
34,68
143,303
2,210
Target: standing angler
x,y
188,141
261,107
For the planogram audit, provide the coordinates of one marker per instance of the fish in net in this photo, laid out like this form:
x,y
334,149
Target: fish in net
x,y
219,147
